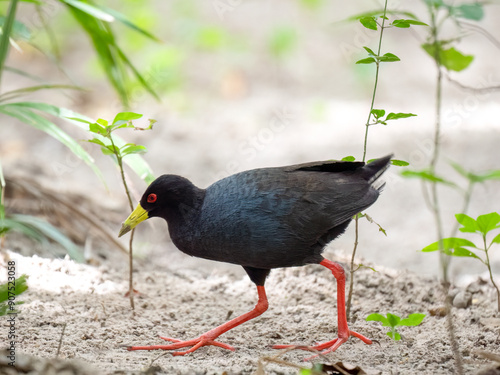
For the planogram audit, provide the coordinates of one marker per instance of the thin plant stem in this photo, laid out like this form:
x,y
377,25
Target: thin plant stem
x,y
434,198
365,143
119,160
351,279
488,264
367,125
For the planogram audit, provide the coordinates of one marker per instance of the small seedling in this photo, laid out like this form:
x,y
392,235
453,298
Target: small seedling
x,y
461,247
103,131
9,291
394,321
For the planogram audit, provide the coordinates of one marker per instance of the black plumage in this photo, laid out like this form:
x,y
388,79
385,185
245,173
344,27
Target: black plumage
x,y
263,218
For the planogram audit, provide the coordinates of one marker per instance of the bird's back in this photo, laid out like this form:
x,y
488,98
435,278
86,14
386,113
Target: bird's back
x,y
281,217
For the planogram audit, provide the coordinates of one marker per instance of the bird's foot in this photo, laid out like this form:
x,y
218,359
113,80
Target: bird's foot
x,y
326,347
197,343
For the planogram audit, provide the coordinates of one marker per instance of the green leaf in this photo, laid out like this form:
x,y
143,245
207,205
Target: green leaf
x,y
6,33
105,47
473,11
380,12
402,23
123,117
9,95
427,176
450,58
461,252
468,223
135,162
369,22
397,336
23,111
362,265
123,19
136,73
368,60
133,149
496,239
416,23
435,3
399,163
19,30
80,120
393,320
377,318
90,10
102,122
488,222
370,220
20,287
378,113
348,158
370,52
453,246
110,150
389,57
97,142
412,320
448,243
98,129
39,229
396,116
490,175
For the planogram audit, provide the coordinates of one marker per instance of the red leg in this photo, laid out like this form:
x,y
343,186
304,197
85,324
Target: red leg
x,y
209,337
343,330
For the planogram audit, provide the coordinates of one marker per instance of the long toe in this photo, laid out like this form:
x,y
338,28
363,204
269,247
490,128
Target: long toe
x,y
178,344
326,347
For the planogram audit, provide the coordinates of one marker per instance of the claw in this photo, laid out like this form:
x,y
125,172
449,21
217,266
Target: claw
x,y
178,344
326,347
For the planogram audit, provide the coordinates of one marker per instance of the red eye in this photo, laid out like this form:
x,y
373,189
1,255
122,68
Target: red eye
x,y
151,198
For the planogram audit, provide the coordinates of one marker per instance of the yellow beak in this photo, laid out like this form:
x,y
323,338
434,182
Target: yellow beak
x,y
136,217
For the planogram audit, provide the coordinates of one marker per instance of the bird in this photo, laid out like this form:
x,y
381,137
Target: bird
x,y
264,219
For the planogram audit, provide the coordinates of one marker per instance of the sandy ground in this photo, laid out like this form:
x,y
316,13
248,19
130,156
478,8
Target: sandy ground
x,y
88,304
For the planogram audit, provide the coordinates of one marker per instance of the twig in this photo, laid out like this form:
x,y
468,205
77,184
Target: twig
x,y
60,340
119,159
434,199
352,270
365,144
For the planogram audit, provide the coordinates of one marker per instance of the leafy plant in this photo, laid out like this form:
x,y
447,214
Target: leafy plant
x,y
461,247
103,136
39,230
393,321
446,57
19,287
96,22
377,21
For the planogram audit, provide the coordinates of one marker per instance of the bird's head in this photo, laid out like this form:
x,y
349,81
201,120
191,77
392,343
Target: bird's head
x,y
162,198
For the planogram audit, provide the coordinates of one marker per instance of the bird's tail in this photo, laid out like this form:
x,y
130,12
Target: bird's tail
x,y
372,171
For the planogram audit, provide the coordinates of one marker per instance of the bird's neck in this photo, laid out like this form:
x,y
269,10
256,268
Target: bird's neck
x,y
183,212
